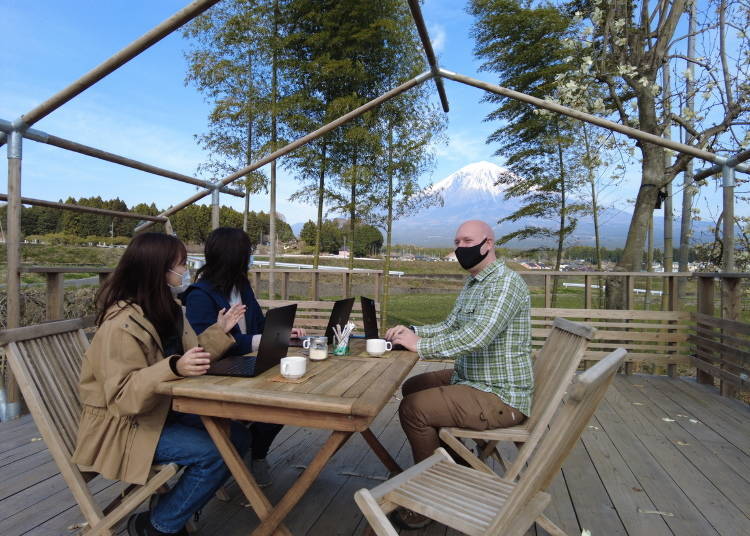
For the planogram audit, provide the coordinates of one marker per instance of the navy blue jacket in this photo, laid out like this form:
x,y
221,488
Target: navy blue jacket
x,y
203,301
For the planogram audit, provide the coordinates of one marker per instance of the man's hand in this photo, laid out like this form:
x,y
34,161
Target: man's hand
x,y
298,333
194,362
228,319
403,336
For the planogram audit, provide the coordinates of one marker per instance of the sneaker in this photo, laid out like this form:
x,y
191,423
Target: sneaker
x,y
261,472
408,520
140,525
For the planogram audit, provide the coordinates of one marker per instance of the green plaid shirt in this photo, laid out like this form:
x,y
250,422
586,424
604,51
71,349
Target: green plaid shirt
x,y
488,332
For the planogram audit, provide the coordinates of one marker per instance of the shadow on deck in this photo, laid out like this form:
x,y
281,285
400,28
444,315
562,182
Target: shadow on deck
x,y
661,456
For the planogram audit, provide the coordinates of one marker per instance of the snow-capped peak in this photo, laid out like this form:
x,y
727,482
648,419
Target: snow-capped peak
x,y
476,176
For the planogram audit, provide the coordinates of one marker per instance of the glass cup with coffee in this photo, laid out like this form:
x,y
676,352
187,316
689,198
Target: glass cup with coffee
x,y
318,347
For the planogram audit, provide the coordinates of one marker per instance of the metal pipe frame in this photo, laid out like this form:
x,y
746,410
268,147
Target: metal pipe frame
x,y
151,37
302,141
424,36
735,162
727,260
49,139
90,210
583,116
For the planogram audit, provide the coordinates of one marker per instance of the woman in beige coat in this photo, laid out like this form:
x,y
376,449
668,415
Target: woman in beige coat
x,y
142,339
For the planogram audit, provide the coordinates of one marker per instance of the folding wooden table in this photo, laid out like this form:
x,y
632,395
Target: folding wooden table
x,y
343,395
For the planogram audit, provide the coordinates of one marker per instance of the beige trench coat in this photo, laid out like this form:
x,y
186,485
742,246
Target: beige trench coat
x,y
122,415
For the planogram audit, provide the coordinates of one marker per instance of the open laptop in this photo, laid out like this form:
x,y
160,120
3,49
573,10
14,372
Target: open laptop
x,y
340,313
370,320
274,344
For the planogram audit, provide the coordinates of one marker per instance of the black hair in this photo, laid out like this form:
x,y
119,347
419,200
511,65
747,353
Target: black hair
x,y
227,253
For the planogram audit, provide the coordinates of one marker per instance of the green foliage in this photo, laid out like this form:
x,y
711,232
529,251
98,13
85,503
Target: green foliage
x,y
367,240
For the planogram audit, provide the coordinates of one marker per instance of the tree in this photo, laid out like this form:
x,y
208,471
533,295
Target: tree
x,y
624,50
618,51
308,233
367,240
227,62
537,145
349,50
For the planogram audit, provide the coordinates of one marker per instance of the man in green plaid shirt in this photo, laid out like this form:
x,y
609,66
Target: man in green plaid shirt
x,y
488,332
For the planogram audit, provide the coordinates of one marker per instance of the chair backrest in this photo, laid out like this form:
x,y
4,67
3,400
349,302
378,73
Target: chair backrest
x,y
46,361
555,365
584,395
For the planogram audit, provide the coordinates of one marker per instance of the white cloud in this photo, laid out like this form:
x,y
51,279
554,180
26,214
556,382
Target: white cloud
x,y
438,37
463,147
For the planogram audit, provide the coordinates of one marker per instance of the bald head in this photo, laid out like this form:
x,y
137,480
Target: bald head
x,y
475,229
474,232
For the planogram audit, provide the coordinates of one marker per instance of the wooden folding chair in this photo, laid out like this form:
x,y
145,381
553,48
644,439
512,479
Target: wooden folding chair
x,y
46,361
554,367
478,503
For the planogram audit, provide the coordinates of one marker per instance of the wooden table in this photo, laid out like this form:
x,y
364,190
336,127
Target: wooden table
x,y
343,395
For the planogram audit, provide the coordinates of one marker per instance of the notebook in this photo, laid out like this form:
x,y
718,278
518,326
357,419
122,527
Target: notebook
x,y
274,344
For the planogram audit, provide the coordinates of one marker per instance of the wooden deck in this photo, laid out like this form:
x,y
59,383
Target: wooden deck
x,y
661,456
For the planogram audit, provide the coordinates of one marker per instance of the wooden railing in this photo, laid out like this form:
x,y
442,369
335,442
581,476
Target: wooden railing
x,y
721,342
665,281
722,350
314,275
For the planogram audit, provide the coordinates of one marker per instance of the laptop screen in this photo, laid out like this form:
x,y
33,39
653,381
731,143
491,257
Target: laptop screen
x,y
369,318
339,315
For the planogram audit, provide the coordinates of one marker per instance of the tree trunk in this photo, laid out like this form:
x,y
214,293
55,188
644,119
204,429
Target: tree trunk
x,y
632,258
274,139
352,216
561,232
667,257
321,197
388,234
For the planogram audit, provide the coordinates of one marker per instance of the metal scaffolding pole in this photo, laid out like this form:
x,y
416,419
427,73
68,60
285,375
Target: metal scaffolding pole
x,y
90,210
583,116
12,247
302,141
416,13
44,137
154,35
727,183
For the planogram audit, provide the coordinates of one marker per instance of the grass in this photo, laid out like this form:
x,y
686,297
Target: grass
x,y
47,255
419,309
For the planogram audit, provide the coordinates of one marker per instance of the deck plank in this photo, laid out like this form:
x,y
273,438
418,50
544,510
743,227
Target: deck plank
x,y
630,460
724,477
636,443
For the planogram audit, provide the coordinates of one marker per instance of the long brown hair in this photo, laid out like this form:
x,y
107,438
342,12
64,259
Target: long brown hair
x,y
227,253
140,278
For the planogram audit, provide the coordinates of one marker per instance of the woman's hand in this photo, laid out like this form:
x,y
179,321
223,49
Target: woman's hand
x,y
298,333
228,319
194,362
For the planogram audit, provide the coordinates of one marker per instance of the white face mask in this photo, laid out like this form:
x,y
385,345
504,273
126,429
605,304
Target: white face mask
x,y
184,284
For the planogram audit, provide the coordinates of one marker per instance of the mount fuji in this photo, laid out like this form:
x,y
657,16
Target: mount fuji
x,y
472,193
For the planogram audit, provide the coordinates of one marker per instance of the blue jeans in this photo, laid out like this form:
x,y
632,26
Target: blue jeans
x,y
186,442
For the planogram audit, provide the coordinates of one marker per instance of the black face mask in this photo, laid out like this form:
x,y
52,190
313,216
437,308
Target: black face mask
x,y
468,257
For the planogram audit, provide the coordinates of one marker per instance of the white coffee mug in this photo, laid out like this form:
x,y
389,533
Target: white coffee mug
x,y
293,367
378,346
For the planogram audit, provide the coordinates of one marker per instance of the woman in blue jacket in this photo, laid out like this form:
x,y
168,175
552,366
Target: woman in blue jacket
x,y
220,282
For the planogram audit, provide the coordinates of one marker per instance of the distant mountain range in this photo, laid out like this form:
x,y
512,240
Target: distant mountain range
x,y
471,193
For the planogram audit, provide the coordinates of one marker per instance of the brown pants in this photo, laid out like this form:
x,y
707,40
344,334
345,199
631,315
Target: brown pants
x,y
430,402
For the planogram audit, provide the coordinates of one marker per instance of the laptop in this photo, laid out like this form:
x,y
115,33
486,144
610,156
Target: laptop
x,y
339,315
274,344
370,320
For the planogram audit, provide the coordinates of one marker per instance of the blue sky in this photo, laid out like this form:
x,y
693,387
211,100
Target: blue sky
x,y
144,111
